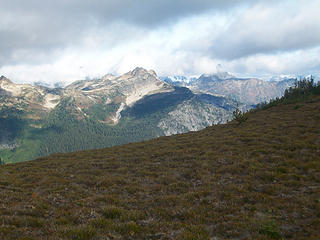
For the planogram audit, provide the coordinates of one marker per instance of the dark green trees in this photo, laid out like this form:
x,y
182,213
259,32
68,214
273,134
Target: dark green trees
x,y
239,116
303,87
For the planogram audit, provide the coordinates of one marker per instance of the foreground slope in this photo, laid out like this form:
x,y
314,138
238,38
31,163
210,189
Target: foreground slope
x,y
256,180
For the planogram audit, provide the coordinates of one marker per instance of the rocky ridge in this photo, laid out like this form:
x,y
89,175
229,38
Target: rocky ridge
x,y
250,91
123,90
27,96
245,90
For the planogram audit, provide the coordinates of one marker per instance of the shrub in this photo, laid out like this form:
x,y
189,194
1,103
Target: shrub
x,y
80,233
112,212
270,228
239,116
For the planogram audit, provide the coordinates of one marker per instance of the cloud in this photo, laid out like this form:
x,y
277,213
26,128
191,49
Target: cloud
x,y
141,12
285,26
293,62
36,26
169,50
67,40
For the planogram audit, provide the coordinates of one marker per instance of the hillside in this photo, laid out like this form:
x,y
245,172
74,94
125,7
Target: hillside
x,y
256,180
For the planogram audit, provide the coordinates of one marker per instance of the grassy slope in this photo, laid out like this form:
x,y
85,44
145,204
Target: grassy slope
x,y
257,180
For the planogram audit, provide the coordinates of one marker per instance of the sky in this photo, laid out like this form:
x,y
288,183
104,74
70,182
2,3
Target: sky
x,y
68,40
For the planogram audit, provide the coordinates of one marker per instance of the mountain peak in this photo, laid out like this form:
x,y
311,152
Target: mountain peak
x,y
139,71
219,75
4,79
224,75
152,72
108,76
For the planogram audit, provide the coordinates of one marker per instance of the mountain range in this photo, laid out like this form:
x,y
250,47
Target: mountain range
x,y
37,120
250,91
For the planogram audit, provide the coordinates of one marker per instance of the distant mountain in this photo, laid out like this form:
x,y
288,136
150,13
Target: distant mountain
x,y
181,81
282,77
245,90
28,97
50,85
37,120
250,91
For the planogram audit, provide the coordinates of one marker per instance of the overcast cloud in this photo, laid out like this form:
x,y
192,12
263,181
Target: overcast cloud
x,y
65,40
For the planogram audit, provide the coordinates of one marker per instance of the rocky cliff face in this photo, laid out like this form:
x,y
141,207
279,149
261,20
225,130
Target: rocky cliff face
x,y
193,115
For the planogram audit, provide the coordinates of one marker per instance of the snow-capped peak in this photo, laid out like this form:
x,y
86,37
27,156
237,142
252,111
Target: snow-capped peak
x,y
282,77
181,79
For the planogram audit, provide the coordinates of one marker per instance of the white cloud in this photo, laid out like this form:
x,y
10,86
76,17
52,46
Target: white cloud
x,y
261,37
284,26
294,62
177,49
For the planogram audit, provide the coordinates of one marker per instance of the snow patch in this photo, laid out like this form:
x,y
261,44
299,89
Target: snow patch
x,y
80,110
51,101
117,117
108,101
